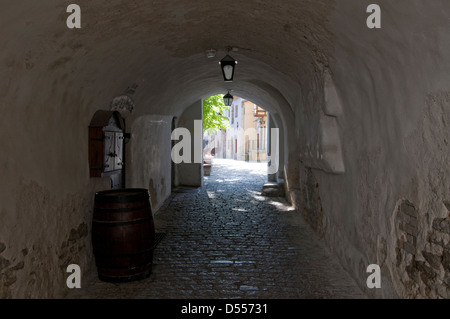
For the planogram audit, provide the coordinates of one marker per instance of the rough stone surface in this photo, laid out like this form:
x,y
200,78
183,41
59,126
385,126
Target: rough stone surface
x,y
228,241
423,274
312,209
442,225
38,269
273,190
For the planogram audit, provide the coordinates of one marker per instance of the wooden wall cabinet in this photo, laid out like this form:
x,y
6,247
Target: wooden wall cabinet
x,y
106,140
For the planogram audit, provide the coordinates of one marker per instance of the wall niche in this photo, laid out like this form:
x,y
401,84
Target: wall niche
x,y
106,141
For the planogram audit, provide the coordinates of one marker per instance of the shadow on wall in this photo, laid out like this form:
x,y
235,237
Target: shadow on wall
x,y
156,196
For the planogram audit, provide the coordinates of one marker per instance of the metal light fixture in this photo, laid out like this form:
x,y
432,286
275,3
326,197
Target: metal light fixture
x,y
211,53
228,64
228,99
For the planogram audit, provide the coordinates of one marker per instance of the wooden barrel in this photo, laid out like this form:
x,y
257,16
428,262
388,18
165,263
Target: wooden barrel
x,y
123,234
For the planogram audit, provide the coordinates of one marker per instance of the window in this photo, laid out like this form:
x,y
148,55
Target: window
x,y
236,114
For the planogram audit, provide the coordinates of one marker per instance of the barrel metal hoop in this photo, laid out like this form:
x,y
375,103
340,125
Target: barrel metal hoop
x,y
119,197
120,223
120,210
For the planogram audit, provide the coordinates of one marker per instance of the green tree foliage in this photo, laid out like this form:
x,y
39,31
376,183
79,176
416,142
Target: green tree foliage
x,y
214,118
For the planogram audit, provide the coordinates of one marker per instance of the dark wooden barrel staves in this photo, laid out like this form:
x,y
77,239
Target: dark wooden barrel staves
x,y
123,234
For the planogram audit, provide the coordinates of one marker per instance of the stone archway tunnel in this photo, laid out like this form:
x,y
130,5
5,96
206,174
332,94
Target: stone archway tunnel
x,y
364,114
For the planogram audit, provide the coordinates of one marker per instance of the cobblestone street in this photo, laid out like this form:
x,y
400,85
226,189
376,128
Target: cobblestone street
x,y
227,241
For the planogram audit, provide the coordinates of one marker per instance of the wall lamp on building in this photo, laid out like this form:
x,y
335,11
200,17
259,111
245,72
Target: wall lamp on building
x,y
228,65
228,99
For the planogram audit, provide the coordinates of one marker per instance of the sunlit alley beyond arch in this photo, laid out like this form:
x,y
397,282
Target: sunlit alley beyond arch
x,y
363,114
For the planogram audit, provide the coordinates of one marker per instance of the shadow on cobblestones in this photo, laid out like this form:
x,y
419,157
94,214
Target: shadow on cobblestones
x,y
228,241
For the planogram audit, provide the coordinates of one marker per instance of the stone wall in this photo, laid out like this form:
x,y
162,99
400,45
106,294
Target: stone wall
x,y
42,242
422,262
387,207
149,157
191,174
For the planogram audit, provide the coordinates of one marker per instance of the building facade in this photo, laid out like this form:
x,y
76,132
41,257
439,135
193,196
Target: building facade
x,y
246,139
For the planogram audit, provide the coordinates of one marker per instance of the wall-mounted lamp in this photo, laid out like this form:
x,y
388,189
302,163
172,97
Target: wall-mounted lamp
x,y
211,53
228,99
228,64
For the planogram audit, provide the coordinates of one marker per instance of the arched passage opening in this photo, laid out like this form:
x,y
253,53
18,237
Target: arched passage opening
x,y
244,138
249,135
151,149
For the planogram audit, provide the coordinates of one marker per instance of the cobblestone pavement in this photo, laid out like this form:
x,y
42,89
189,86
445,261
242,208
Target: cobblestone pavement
x,y
228,241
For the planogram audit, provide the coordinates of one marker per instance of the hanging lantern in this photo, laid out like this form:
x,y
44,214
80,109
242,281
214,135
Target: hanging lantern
x,y
228,64
228,99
